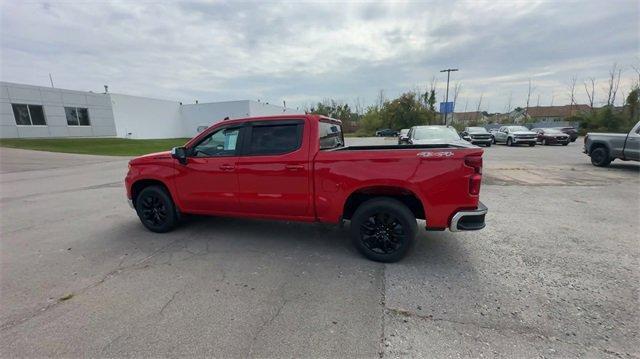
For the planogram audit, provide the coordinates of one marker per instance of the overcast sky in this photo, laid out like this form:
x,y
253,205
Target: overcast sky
x,y
304,52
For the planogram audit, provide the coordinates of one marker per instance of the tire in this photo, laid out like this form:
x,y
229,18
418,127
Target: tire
x,y
544,142
509,141
600,157
156,209
383,229
493,140
532,144
564,144
488,144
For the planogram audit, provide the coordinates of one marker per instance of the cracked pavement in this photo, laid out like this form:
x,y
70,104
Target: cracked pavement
x,y
554,274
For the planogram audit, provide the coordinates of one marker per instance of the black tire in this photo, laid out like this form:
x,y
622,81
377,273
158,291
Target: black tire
x,y
532,144
566,143
156,209
383,229
509,141
488,144
544,142
600,157
493,139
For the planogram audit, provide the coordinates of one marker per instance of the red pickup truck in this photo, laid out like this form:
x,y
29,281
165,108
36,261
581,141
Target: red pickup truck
x,y
297,168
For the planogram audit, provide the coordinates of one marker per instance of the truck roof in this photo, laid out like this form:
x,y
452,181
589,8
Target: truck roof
x,y
282,117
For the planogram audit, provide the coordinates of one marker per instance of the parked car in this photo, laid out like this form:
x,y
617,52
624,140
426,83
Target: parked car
x,y
477,136
515,135
606,147
402,137
289,168
571,131
386,132
551,136
423,135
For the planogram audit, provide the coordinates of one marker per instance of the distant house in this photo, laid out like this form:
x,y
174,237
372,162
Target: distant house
x,y
555,113
466,118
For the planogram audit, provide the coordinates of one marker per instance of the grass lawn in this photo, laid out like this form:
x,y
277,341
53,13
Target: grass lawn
x,y
95,146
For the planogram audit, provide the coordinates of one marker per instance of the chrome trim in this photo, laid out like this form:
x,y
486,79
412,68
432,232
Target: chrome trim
x,y
130,203
453,227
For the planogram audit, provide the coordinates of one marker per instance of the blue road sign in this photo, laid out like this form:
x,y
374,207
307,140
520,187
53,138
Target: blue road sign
x,y
446,107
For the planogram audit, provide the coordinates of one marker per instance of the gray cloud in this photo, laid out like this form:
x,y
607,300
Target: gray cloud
x,y
304,52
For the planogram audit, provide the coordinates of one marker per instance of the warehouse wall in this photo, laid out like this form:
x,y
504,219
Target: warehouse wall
x,y
206,114
141,117
54,101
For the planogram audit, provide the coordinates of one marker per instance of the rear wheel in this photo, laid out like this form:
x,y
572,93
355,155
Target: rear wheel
x,y
156,209
600,157
383,229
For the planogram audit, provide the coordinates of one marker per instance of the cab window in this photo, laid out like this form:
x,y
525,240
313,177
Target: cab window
x,y
220,143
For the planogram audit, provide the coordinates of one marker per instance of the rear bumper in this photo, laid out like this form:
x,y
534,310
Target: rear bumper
x,y
470,220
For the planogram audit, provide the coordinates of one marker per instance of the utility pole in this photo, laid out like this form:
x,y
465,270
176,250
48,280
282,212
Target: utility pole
x,y
446,98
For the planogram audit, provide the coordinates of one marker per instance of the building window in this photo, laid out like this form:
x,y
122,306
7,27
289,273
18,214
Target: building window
x,y
77,116
28,115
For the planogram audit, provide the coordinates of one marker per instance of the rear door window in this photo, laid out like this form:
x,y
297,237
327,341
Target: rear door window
x,y
275,138
330,135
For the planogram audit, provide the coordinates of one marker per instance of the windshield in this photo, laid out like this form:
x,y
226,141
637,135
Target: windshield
x,y
330,135
435,133
476,129
518,128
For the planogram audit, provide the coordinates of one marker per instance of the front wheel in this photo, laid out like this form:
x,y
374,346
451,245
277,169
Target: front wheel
x,y
509,142
544,141
156,209
488,144
566,143
383,229
532,144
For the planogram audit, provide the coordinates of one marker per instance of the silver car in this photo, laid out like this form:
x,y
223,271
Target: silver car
x,y
515,135
427,135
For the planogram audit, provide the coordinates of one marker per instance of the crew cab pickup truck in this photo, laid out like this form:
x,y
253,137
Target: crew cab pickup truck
x,y
297,168
605,147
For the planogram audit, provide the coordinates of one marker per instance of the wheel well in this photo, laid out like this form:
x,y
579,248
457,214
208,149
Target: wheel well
x,y
138,186
405,196
598,145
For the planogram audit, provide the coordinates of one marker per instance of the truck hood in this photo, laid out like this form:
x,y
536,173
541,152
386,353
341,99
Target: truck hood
x,y
525,133
151,157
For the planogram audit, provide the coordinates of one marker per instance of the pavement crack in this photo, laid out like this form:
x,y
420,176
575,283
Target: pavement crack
x,y
265,325
169,302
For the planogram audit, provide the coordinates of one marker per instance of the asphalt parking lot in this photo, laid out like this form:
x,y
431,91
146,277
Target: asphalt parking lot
x,y
555,273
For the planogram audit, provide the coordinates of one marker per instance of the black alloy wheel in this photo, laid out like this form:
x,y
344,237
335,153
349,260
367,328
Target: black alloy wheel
x,y
156,209
383,229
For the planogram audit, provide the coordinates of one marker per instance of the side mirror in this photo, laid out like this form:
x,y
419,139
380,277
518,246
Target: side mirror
x,y
180,154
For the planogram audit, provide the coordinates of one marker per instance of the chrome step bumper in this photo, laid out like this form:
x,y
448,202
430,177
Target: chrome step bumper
x,y
471,220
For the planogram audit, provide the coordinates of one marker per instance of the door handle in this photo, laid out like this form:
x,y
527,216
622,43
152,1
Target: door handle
x,y
227,167
294,167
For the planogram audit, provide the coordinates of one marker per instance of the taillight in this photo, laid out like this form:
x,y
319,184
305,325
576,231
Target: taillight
x,y
474,162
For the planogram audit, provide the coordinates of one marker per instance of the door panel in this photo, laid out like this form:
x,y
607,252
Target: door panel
x,y
208,182
274,172
632,149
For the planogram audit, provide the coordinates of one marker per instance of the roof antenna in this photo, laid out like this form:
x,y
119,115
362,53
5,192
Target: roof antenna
x,y
106,89
51,79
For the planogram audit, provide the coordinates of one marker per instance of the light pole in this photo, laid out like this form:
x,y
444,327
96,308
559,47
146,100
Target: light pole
x,y
446,98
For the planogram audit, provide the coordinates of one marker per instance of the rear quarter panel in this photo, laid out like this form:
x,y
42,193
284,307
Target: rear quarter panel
x,y
441,183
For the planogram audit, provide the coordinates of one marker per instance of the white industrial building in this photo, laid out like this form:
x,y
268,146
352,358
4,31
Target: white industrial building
x,y
34,111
